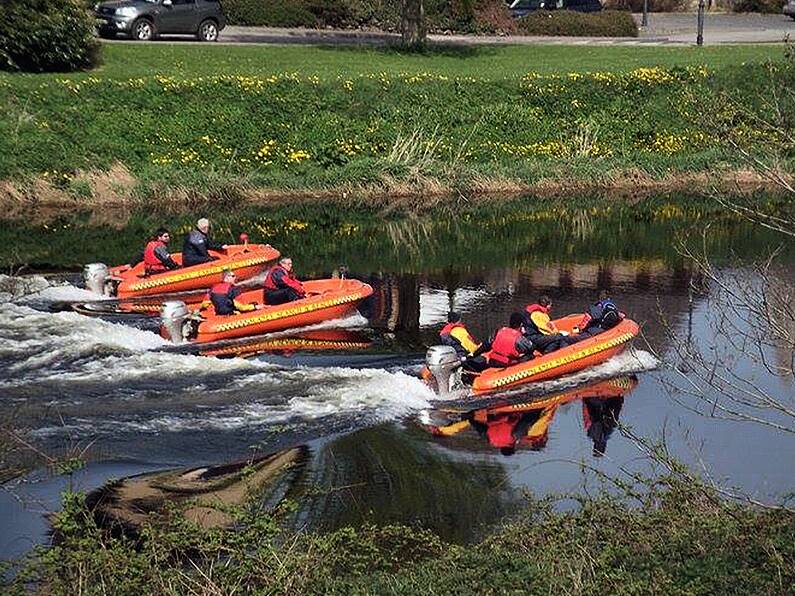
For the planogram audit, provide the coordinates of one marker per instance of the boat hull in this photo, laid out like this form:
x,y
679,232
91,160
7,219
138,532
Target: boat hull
x,y
246,261
326,299
571,359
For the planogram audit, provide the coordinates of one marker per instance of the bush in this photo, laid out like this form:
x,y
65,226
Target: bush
x,y
272,13
608,23
472,16
653,5
768,6
47,36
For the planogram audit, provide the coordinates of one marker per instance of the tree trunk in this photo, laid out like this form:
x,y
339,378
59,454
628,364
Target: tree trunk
x,y
412,23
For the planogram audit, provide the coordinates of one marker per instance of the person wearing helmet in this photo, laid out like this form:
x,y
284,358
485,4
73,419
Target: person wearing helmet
x,y
197,244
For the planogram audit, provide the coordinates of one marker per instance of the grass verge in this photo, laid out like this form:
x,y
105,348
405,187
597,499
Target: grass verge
x,y
203,129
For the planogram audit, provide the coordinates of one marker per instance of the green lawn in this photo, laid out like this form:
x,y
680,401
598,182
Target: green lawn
x,y
126,59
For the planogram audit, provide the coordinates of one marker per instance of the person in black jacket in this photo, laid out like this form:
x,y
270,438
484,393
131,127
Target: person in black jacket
x,y
198,243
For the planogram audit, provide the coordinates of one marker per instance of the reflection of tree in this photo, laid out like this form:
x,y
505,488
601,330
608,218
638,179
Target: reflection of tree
x,y
751,306
386,474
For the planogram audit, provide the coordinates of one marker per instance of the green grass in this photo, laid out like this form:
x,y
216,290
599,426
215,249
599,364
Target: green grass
x,y
222,122
484,62
682,539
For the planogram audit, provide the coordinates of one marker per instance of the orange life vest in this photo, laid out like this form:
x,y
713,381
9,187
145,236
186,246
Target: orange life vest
x,y
530,325
503,348
151,263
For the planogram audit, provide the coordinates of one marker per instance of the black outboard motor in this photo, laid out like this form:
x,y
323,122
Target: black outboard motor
x,y
445,366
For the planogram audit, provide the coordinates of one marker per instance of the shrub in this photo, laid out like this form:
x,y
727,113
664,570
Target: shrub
x,y
273,13
47,36
608,23
653,5
769,6
473,16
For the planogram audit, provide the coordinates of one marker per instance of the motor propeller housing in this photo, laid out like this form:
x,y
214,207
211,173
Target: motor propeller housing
x,y
96,277
173,317
443,362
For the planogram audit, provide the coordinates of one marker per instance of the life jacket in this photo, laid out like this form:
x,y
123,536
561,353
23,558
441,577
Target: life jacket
x,y
530,327
604,314
151,263
288,279
448,339
448,329
223,295
503,348
500,430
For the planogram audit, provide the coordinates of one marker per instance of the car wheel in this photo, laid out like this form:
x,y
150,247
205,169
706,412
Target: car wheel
x,y
143,30
208,31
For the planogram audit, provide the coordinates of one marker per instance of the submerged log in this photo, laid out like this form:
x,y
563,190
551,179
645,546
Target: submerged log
x,y
206,493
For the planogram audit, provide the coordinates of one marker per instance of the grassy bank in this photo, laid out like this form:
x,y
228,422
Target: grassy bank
x,y
184,123
681,539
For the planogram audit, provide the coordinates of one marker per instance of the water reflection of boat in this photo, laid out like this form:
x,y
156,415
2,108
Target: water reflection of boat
x,y
207,493
326,299
319,340
442,361
246,260
518,423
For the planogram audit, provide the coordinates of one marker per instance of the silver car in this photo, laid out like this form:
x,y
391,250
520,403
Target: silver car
x,y
146,19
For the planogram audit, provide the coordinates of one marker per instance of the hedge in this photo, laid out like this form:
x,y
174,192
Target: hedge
x,y
472,16
47,36
608,23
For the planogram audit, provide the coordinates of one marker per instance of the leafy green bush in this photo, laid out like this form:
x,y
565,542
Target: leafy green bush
x,y
608,23
653,5
768,6
441,15
273,13
46,36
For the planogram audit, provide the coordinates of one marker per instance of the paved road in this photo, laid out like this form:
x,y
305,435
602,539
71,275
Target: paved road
x,y
664,28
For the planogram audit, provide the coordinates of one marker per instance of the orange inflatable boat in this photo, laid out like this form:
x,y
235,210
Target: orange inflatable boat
x,y
325,299
565,361
246,260
319,340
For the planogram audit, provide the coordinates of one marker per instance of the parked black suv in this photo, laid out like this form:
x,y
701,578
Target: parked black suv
x,y
146,19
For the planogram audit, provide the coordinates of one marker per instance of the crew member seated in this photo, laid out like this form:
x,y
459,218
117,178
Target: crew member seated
x,y
156,256
223,296
281,286
600,316
456,335
540,329
509,345
197,244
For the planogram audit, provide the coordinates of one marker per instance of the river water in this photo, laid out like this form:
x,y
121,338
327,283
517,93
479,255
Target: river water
x,y
382,447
